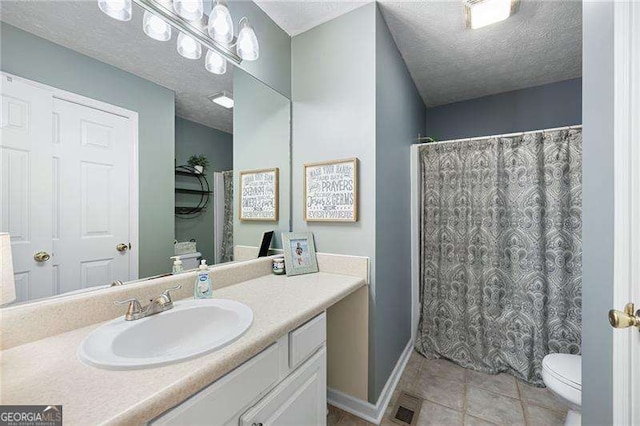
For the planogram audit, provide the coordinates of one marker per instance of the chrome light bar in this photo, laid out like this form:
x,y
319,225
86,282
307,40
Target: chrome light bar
x,y
195,29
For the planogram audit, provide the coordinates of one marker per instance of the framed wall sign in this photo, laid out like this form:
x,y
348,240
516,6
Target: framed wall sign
x,y
259,196
331,191
299,253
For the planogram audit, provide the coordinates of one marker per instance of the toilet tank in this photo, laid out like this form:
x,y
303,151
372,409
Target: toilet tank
x,y
191,260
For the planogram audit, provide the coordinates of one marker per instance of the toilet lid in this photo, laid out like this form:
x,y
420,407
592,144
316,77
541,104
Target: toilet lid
x,y
566,368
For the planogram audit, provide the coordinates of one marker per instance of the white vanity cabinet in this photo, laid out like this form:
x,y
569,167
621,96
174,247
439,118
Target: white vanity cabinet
x,y
299,400
283,385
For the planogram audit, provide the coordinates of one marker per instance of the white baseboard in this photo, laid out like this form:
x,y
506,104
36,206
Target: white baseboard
x,y
364,409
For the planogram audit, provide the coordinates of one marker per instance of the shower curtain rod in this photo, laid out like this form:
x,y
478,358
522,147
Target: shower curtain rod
x,y
505,135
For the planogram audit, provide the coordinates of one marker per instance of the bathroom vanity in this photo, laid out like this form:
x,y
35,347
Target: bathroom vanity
x,y
307,331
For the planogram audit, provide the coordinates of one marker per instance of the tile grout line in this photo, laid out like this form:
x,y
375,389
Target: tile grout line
x,y
524,411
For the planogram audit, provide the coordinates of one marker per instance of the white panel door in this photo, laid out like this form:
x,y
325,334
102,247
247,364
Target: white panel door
x,y
300,400
91,178
25,183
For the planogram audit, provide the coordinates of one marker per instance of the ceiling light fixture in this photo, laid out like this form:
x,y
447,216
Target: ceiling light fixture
x,y
215,63
191,10
117,9
155,27
480,13
188,47
224,99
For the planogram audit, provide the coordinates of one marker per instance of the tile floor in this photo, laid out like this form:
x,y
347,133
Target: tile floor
x,y
457,396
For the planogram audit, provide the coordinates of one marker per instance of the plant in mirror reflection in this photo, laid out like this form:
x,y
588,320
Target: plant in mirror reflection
x,y
196,161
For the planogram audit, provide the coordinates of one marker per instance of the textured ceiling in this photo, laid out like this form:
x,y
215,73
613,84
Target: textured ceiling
x,y
298,16
541,43
81,26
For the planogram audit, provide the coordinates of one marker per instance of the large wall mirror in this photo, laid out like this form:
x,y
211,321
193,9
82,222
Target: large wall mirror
x,y
104,130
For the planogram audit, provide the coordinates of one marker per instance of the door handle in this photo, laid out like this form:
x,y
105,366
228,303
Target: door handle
x,y
41,256
628,318
122,247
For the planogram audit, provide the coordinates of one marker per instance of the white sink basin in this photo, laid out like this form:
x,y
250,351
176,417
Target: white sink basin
x,y
190,329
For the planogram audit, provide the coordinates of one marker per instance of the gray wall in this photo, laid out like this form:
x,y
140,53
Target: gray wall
x,y
333,95
542,107
36,59
400,116
360,101
261,140
598,214
273,67
196,139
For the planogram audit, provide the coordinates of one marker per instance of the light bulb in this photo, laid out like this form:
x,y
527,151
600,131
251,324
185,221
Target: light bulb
x,y
190,10
220,26
188,47
117,9
155,27
247,47
215,63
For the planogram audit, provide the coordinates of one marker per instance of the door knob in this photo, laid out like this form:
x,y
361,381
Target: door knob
x,y
628,318
41,256
122,247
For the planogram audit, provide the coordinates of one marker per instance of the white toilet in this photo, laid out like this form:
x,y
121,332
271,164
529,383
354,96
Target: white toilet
x,y
562,373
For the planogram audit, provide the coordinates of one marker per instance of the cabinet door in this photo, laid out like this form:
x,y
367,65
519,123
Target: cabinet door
x,y
222,402
301,399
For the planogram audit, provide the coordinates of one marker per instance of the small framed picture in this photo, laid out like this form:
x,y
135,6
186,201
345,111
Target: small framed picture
x,y
259,195
299,253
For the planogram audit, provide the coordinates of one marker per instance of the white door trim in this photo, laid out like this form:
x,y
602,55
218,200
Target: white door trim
x,y
132,116
626,204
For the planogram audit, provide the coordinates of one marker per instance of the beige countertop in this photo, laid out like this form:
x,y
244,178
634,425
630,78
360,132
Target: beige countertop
x,y
48,371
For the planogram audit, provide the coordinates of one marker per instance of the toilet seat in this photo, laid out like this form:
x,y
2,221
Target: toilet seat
x,y
564,368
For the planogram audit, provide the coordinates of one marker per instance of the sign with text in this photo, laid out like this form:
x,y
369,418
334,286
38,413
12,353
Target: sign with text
x,y
331,191
259,195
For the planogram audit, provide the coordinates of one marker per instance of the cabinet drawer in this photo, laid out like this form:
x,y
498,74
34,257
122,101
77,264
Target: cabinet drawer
x,y
304,340
229,396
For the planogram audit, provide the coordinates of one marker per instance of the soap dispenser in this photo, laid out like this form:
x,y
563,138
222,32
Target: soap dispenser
x,y
202,288
177,265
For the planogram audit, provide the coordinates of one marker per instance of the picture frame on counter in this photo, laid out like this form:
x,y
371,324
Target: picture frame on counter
x,y
331,191
259,195
299,253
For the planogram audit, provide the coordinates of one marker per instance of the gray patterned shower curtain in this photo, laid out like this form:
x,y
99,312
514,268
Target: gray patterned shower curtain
x,y
501,251
227,229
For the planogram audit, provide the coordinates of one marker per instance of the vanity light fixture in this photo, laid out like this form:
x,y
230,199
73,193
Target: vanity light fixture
x,y
215,63
117,9
224,99
188,47
218,38
220,26
155,27
247,47
191,10
480,13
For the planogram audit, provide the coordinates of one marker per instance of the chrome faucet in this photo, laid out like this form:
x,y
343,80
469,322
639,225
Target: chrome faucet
x,y
136,311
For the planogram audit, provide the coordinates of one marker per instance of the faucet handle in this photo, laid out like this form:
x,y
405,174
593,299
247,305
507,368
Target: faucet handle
x,y
166,292
133,311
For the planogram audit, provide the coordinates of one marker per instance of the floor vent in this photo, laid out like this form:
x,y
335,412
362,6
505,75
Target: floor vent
x,y
407,409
